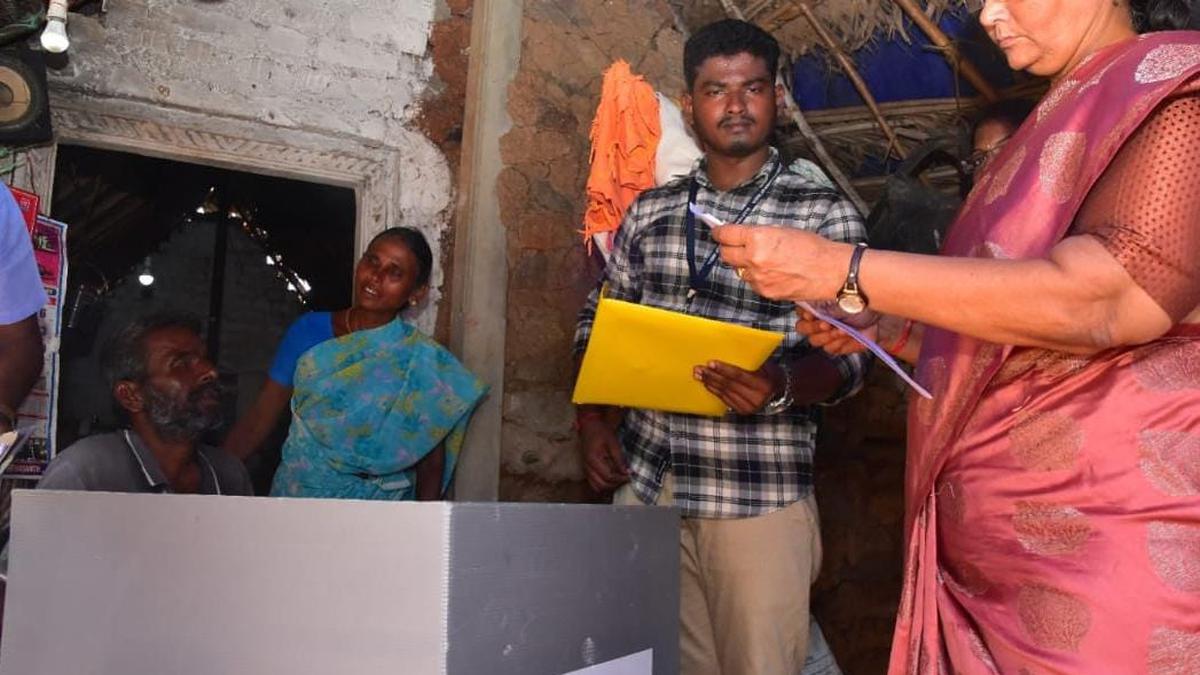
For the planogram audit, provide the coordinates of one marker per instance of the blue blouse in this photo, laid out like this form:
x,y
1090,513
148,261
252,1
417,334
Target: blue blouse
x,y
306,332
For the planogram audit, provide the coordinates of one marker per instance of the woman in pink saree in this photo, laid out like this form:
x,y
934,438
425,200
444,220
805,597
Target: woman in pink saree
x,y
1053,483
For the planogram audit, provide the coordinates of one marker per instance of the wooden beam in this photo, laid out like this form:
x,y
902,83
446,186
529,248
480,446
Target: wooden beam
x,y
753,9
958,62
814,141
732,10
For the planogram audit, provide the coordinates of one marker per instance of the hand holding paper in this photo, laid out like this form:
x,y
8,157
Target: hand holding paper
x,y
869,344
830,339
824,316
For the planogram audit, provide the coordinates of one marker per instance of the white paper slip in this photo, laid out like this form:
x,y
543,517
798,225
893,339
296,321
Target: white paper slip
x,y
869,344
641,663
708,218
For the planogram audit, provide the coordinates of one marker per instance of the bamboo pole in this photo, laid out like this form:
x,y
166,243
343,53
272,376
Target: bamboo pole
x,y
732,10
944,43
894,145
819,148
754,8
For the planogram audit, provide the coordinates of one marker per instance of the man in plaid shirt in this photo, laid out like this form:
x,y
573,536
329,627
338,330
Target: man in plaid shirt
x,y
750,541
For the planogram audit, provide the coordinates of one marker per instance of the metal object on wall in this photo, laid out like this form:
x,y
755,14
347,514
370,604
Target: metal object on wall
x,y
24,108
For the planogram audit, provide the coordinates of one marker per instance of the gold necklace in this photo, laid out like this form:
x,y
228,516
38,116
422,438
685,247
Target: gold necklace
x,y
349,314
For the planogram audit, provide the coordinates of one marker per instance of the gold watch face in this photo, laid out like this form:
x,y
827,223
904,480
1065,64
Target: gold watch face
x,y
851,303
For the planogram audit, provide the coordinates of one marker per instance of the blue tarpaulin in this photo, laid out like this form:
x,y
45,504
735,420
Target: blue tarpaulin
x,y
896,70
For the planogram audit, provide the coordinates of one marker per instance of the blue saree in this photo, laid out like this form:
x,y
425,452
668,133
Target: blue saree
x,y
366,407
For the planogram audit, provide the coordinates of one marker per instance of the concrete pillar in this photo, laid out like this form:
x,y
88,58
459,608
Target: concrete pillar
x,y
479,290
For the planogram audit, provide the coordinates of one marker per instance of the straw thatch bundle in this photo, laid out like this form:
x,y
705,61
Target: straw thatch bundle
x,y
851,135
853,22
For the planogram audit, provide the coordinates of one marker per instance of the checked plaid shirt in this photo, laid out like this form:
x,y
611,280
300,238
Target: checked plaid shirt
x,y
733,466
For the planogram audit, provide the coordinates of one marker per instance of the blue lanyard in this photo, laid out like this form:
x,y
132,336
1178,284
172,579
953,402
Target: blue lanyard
x,y
696,278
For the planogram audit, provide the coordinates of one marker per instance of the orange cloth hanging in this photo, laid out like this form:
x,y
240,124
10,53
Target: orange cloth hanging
x,y
625,135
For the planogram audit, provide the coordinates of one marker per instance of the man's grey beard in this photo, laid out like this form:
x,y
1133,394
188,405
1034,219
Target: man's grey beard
x,y
182,420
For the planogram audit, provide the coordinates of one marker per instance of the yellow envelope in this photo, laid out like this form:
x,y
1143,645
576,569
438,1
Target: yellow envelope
x,y
642,357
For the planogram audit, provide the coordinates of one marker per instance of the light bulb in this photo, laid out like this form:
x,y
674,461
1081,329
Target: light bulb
x,y
270,260
54,37
145,276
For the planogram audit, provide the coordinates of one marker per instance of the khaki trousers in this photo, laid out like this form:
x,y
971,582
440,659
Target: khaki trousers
x,y
744,588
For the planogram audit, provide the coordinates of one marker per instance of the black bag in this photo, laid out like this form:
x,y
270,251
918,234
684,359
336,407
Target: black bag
x,y
911,216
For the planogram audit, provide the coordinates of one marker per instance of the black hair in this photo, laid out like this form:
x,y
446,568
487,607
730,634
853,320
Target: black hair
x,y
728,37
416,243
124,354
1010,111
1151,16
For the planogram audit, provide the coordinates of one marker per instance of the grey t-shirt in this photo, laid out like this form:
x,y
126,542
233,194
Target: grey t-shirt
x,y
121,462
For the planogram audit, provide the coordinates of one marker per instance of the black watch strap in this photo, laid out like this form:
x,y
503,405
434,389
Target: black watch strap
x,y
855,259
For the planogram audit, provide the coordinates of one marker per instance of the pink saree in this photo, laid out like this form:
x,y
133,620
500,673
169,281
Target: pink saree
x,y
1053,501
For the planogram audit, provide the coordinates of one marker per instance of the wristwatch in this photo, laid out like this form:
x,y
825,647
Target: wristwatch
x,y
784,400
851,299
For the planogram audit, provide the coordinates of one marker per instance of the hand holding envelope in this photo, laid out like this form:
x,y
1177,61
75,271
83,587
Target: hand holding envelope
x,y
643,357
744,392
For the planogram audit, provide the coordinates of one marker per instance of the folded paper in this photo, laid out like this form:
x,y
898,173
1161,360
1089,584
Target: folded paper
x,y
643,357
867,342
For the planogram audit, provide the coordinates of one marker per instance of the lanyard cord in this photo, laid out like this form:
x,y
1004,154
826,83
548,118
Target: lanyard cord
x,y
696,278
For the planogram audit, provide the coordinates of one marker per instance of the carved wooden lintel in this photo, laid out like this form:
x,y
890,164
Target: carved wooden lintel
x,y
270,150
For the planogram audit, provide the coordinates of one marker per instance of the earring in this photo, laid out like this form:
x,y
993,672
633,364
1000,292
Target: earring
x,y
412,303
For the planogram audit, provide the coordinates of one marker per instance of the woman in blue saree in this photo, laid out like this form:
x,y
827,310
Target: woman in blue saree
x,y
379,410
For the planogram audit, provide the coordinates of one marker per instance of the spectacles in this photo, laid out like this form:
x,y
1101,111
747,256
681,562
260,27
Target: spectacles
x,y
980,157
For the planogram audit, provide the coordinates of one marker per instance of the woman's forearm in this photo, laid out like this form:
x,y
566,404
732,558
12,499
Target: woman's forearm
x,y
1078,300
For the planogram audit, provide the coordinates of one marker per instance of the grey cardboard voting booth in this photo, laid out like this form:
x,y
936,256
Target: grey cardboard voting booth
x,y
123,584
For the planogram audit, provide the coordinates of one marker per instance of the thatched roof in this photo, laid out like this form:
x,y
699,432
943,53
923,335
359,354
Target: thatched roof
x,y
853,22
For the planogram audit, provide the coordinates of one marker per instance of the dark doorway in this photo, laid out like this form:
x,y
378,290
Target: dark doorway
x,y
243,253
